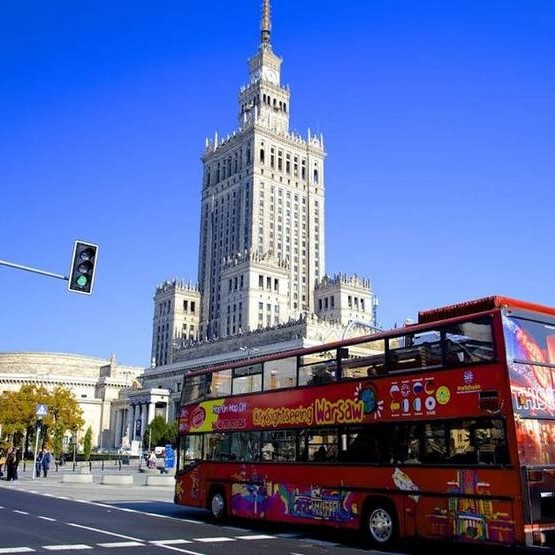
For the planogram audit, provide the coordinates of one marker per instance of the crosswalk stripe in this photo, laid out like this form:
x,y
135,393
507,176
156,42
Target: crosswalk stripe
x,y
121,544
213,540
256,537
169,542
67,547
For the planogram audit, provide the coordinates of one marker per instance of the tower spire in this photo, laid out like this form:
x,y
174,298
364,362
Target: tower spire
x,y
265,24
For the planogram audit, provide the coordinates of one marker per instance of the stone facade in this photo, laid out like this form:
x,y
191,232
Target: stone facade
x,y
96,383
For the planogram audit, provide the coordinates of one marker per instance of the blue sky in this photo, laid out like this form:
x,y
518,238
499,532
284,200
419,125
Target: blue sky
x,y
438,119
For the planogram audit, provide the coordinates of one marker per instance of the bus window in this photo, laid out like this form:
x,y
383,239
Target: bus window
x,y
407,444
279,445
369,444
318,368
365,359
190,450
195,388
247,379
489,438
320,373
221,383
478,442
280,373
469,342
245,446
217,447
415,350
323,445
435,443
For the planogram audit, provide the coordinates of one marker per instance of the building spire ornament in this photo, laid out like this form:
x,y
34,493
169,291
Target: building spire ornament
x,y
265,24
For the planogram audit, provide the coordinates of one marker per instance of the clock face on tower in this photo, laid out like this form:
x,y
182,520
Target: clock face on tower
x,y
270,75
255,76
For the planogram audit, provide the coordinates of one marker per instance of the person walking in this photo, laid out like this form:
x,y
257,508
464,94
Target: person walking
x,y
38,463
2,462
45,462
11,465
18,457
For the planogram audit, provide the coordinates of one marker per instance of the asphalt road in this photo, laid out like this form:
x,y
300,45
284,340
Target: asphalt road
x,y
46,515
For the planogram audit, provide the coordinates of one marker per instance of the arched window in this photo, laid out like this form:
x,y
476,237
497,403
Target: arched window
x,y
262,155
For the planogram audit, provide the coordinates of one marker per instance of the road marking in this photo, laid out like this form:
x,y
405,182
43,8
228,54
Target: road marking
x,y
104,532
256,537
169,542
213,540
121,544
67,547
20,512
16,550
179,550
49,518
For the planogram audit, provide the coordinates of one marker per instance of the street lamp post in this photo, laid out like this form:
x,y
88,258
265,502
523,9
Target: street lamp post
x,y
74,440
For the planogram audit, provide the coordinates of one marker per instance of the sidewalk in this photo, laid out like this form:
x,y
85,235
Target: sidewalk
x,y
95,490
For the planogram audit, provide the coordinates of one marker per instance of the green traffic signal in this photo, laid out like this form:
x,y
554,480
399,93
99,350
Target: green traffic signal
x,y
83,266
81,281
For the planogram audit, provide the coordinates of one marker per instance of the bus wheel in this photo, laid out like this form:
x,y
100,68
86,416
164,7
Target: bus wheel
x,y
217,504
380,524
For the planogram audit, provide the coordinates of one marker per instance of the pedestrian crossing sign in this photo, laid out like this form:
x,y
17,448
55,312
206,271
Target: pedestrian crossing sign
x,y
41,410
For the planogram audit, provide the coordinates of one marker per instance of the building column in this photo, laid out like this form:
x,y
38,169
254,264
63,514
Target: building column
x,y
136,415
116,428
151,406
144,416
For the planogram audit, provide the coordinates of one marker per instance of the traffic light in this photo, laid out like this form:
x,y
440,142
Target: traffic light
x,y
83,265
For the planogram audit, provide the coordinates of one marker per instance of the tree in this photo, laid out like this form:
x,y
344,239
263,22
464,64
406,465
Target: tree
x,y
87,443
18,414
65,414
158,432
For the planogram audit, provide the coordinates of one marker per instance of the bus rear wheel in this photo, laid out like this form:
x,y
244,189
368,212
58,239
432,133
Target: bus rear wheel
x,y
380,525
217,505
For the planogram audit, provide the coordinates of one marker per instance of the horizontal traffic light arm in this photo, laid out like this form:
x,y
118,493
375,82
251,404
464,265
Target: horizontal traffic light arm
x,y
34,270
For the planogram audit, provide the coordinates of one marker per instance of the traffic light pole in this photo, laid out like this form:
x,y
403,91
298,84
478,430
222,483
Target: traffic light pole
x,y
34,270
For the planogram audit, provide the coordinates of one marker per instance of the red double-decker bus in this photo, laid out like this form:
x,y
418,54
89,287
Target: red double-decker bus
x,y
441,429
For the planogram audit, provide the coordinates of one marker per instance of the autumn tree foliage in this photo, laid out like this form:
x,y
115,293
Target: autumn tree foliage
x,y
18,415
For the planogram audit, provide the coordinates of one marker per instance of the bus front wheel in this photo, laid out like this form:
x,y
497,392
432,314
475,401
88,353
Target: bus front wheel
x,y
217,504
380,524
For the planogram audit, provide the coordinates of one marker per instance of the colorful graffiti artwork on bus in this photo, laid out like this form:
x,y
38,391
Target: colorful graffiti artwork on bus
x,y
314,503
317,503
475,516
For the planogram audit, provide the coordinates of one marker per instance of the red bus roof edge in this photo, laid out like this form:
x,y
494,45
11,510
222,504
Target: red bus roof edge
x,y
479,305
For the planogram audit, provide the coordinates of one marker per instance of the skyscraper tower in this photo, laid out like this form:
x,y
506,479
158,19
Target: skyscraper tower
x,y
262,231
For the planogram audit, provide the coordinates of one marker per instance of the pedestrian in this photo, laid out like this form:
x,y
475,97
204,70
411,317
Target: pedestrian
x,y
38,463
2,462
11,465
152,460
45,462
18,457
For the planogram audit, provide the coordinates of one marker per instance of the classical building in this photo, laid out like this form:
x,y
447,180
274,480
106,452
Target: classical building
x,y
99,386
